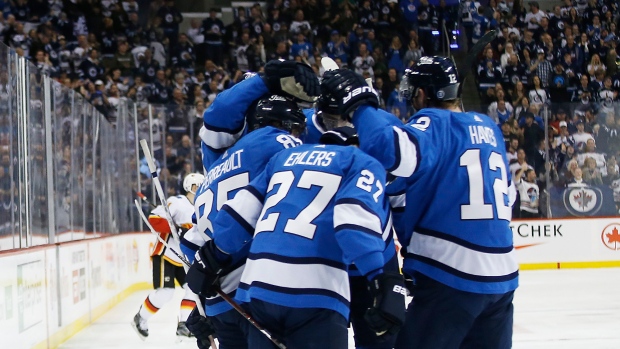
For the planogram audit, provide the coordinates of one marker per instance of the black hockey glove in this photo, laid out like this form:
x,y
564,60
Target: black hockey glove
x,y
200,327
290,78
203,276
387,314
349,89
203,344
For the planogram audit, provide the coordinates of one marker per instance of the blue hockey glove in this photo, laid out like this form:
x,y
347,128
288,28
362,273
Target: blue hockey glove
x,y
200,327
203,276
349,89
290,78
387,314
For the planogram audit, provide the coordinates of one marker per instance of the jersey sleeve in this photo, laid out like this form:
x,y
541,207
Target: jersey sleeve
x,y
235,222
191,241
361,215
396,192
398,147
224,120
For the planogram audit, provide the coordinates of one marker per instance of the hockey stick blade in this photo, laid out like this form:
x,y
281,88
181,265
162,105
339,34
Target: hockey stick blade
x,y
329,64
475,51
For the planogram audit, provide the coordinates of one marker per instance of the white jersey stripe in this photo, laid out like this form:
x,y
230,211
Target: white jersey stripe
x,y
247,206
462,258
300,276
219,140
349,213
408,161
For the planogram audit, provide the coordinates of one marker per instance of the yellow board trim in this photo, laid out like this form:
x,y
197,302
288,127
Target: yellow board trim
x,y
569,265
63,334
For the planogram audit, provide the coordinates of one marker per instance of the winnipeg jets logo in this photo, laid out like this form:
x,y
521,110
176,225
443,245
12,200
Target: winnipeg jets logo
x,y
583,201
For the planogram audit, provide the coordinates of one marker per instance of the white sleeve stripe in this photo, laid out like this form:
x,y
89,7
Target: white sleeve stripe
x,y
219,139
353,214
388,229
406,160
247,206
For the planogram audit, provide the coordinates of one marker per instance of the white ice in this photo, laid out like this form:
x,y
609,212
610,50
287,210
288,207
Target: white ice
x,y
554,309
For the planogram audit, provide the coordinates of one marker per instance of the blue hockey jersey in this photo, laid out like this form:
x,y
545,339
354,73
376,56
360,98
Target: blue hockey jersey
x,y
455,224
312,212
233,170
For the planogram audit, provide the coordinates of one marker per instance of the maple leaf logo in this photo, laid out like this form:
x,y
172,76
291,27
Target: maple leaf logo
x,y
583,199
614,236
611,236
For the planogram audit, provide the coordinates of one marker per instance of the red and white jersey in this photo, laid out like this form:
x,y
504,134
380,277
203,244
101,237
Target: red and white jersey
x,y
181,210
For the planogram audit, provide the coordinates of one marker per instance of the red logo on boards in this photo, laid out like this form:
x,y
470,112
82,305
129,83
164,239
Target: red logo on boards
x,y
611,236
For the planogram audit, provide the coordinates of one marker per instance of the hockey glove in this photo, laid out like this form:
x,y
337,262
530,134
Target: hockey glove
x,y
203,276
387,314
200,327
290,78
349,89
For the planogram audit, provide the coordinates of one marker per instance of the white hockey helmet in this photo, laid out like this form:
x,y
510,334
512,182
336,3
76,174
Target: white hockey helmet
x,y
192,179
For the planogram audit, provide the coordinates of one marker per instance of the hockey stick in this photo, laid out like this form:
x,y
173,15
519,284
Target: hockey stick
x,y
330,64
475,51
162,198
143,198
181,257
154,232
224,296
473,54
158,188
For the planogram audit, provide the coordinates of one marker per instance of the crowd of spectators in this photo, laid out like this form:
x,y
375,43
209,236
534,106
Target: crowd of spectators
x,y
547,72
115,50
551,80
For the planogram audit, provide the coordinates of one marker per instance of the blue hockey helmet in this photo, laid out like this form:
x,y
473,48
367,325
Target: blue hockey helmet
x,y
279,112
436,75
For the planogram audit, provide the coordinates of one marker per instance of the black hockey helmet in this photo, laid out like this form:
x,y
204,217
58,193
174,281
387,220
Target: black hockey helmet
x,y
344,135
326,110
279,112
436,75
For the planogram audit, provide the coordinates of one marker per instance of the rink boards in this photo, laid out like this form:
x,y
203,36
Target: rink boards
x,y
567,243
49,293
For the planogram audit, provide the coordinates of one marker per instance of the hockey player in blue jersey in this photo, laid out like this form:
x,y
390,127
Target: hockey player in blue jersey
x,y
274,120
361,298
313,211
455,225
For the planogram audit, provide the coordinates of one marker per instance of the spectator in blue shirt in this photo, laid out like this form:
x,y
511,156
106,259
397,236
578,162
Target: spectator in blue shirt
x,y
301,47
337,48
